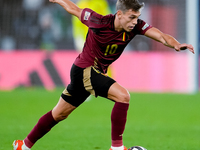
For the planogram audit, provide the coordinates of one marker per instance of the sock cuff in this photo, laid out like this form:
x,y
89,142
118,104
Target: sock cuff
x,y
117,148
120,105
51,119
117,143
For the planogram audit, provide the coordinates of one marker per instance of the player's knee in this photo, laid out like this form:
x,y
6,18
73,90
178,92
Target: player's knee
x,y
62,110
124,97
60,117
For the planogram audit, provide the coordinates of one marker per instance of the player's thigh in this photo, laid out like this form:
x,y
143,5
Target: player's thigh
x,y
118,93
105,86
96,82
75,93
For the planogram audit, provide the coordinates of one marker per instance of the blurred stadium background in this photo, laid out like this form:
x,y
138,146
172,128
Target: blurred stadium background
x,y
37,47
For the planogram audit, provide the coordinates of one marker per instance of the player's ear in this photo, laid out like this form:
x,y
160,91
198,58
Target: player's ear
x,y
119,14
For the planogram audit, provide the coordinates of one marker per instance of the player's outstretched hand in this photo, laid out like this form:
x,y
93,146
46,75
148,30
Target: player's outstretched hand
x,y
184,47
53,1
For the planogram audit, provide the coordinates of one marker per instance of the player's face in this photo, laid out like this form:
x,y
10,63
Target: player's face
x,y
128,20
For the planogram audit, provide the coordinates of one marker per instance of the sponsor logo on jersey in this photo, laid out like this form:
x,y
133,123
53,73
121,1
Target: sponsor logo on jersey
x,y
87,15
145,26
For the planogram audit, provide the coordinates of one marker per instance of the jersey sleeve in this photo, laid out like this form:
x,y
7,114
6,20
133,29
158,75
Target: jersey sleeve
x,y
142,27
92,19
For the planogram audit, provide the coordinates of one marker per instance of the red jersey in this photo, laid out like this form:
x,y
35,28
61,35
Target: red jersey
x,y
103,44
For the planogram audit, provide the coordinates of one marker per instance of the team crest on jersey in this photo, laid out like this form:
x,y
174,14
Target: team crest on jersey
x,y
87,15
145,26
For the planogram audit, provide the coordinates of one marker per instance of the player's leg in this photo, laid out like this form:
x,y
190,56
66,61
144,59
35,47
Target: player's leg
x,y
62,110
119,114
67,103
102,85
48,121
118,93
44,124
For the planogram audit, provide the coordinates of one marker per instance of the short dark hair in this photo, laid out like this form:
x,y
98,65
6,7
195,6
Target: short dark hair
x,y
125,5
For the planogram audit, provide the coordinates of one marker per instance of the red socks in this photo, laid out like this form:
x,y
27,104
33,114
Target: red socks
x,y
118,121
43,126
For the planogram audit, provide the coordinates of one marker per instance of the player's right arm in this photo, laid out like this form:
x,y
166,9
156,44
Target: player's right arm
x,y
69,6
168,40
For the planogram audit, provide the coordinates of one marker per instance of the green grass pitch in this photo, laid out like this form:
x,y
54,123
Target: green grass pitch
x,y
155,121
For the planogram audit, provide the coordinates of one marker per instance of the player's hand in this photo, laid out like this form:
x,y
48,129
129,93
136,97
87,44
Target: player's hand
x,y
184,47
53,1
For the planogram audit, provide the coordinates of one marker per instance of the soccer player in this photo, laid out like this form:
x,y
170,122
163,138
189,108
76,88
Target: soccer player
x,y
106,39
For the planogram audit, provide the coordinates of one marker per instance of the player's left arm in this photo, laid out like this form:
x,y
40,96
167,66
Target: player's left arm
x,y
167,40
